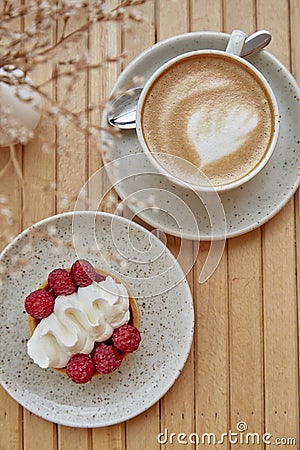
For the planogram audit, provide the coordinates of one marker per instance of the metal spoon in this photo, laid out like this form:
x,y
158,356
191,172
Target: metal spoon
x,y
122,111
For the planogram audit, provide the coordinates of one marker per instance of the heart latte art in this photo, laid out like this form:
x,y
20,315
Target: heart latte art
x,y
213,114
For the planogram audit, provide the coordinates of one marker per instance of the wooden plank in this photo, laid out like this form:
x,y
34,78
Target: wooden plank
x,y
212,350
73,438
178,405
100,84
206,16
280,316
39,173
295,36
39,433
108,438
245,292
295,67
142,34
211,302
272,15
177,414
240,15
72,173
246,332
11,414
71,142
178,10
136,39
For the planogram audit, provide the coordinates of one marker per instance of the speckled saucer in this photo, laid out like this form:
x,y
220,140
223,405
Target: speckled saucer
x,y
166,319
246,207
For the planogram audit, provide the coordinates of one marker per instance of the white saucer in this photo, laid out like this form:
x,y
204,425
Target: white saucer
x,y
166,319
245,208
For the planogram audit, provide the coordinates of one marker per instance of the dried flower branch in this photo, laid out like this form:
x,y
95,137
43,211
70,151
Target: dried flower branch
x,y
47,37
32,48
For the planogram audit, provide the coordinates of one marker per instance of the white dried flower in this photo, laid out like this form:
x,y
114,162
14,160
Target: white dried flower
x,y
6,212
9,238
3,200
124,264
51,230
26,249
64,202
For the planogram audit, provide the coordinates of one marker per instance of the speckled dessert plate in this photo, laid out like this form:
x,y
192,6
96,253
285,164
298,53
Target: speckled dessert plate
x,y
245,208
166,318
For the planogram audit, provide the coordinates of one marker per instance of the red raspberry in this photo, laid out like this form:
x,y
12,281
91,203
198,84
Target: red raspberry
x,y
106,358
83,272
126,338
99,277
61,282
39,304
80,368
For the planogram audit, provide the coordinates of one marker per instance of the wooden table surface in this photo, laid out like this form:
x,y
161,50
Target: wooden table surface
x,y
244,362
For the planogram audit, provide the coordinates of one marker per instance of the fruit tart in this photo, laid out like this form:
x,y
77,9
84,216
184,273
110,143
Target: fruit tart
x,y
82,322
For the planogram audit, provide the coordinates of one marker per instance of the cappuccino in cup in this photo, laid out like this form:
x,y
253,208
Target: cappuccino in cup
x,y
208,115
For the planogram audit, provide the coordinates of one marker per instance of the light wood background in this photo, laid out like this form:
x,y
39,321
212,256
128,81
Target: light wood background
x,y
244,364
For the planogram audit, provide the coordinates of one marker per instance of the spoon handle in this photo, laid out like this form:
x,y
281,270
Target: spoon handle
x,y
256,42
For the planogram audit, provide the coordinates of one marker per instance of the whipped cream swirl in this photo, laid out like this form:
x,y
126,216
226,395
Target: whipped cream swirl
x,y
78,321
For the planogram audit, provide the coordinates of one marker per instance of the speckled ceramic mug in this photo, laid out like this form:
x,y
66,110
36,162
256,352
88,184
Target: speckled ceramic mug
x,y
208,119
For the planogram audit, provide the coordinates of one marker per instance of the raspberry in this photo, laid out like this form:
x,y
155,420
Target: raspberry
x,y
61,282
99,277
83,272
126,338
106,358
80,368
39,304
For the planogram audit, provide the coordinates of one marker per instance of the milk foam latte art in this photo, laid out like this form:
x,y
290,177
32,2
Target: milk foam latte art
x,y
209,113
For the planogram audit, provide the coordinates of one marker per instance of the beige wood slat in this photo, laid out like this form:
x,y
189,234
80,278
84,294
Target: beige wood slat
x,y
172,18
211,302
280,311
177,406
11,414
141,34
246,332
211,350
107,438
104,41
71,176
206,16
239,15
144,428
73,438
39,166
39,202
272,15
38,433
295,36
142,431
71,142
245,292
295,67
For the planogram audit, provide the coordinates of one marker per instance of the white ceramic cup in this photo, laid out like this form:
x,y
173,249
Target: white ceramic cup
x,y
233,50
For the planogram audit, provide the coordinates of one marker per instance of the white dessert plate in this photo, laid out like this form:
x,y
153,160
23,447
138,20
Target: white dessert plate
x,y
166,318
246,207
